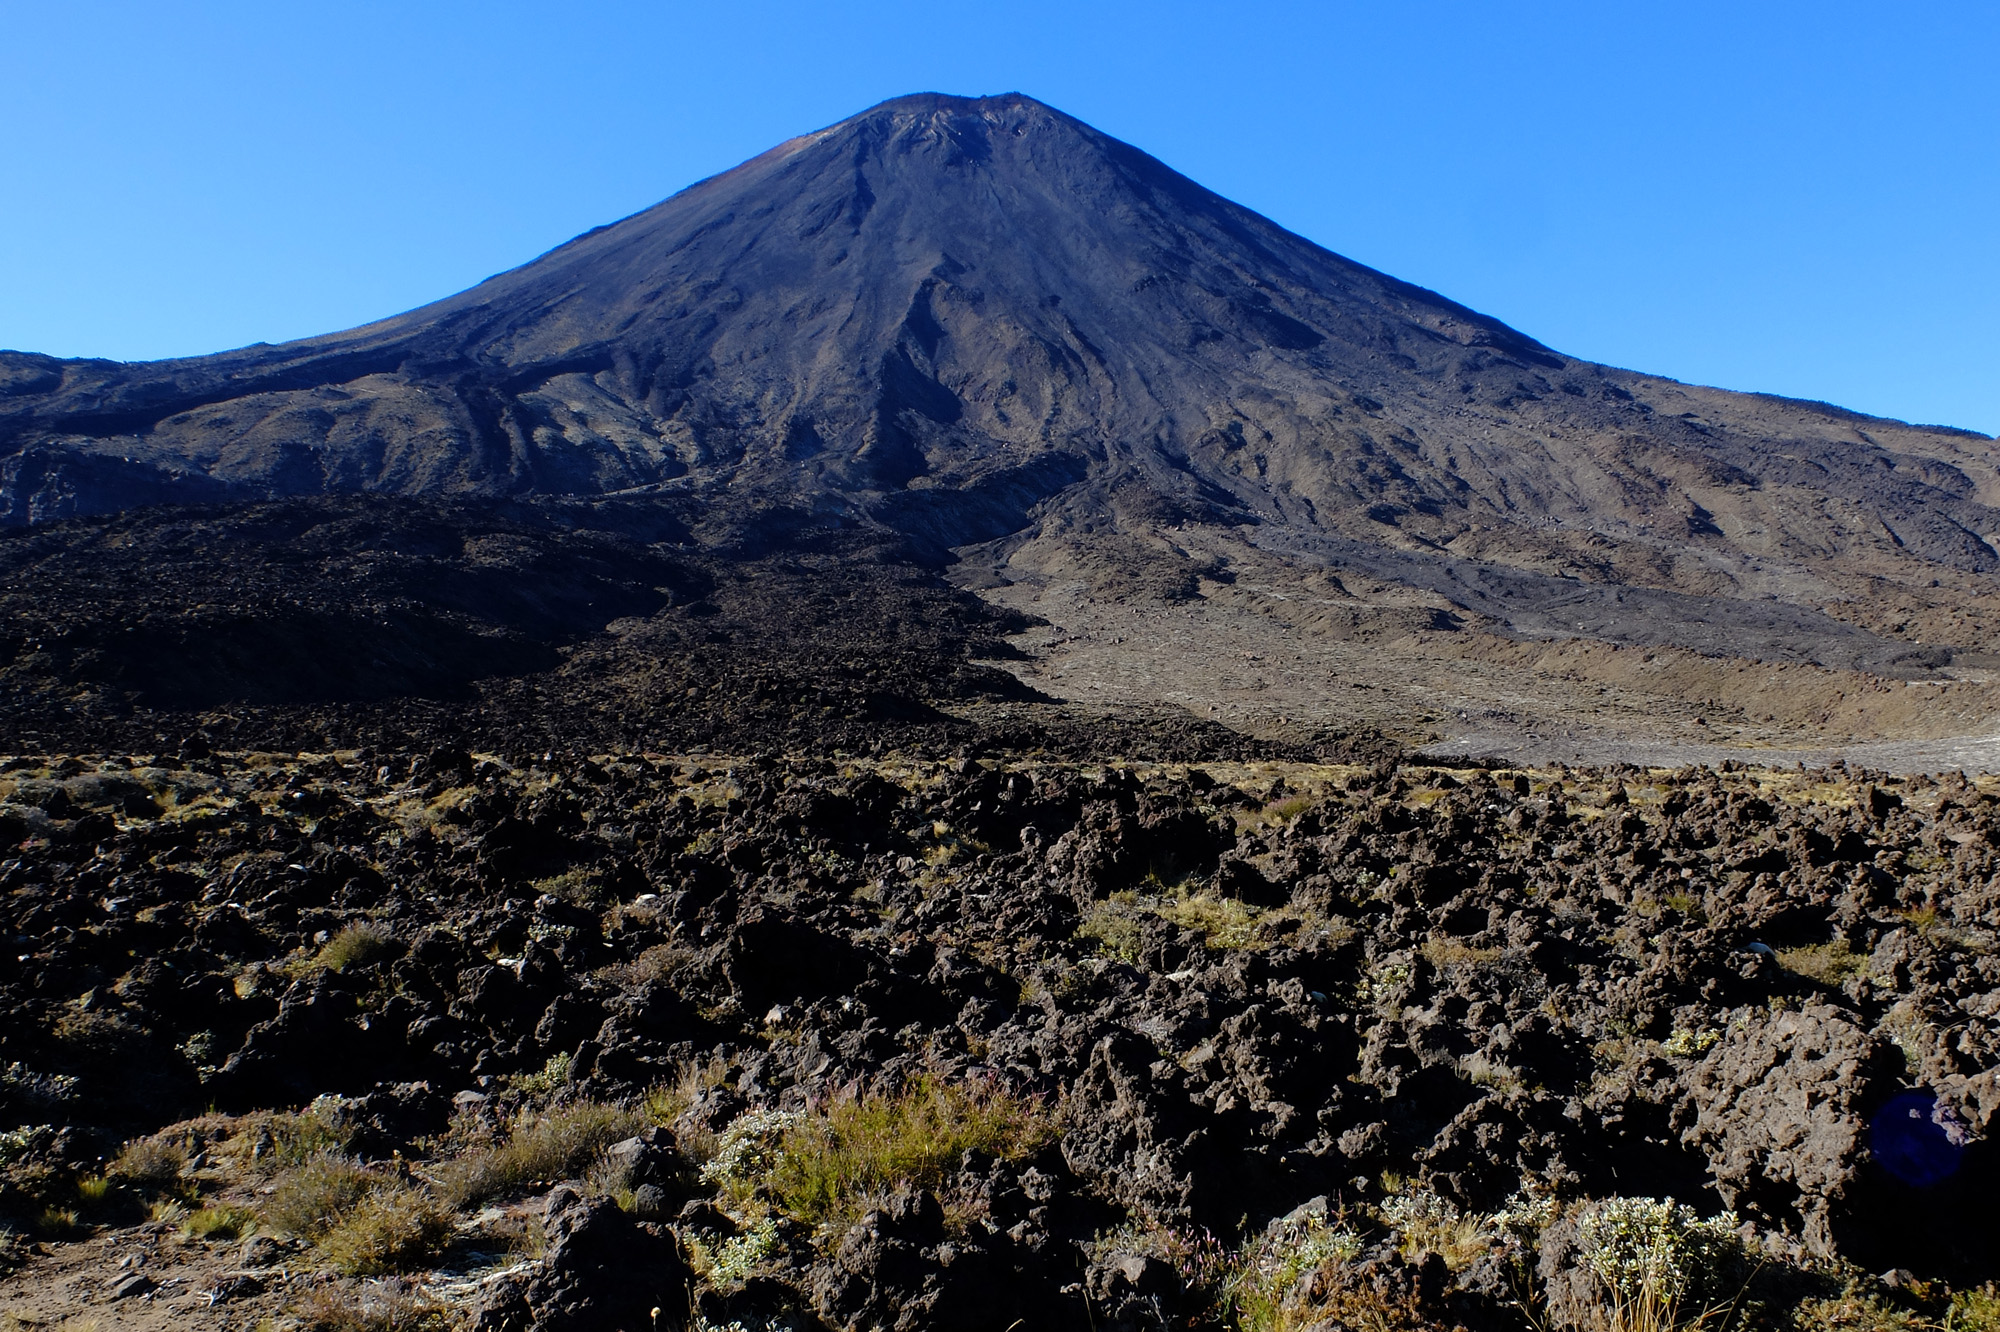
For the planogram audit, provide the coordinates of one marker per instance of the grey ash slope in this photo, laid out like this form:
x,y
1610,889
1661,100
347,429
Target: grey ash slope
x,y
967,318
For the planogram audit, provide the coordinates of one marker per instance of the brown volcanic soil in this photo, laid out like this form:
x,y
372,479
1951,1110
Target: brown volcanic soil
x,y
1202,618
1215,992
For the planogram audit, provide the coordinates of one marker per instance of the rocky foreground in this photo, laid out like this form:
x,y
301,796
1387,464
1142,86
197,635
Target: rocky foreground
x,y
375,1039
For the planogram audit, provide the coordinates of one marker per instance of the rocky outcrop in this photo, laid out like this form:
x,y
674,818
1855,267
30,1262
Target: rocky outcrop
x,y
1782,1115
602,1270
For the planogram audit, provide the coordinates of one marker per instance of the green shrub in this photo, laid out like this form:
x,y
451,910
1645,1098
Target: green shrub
x,y
1266,1273
1280,1280
548,1080
19,1144
732,1260
560,1143
749,1148
1689,1043
1975,1310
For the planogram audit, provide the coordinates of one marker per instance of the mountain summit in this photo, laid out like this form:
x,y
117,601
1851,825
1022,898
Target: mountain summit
x,y
991,328
930,294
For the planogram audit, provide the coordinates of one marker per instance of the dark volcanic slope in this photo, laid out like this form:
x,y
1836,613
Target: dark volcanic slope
x,y
932,292
943,312
535,625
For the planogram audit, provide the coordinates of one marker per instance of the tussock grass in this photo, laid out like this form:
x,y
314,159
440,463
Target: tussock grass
x,y
559,1143
389,1230
360,943
1428,1222
1350,1305
1443,952
1828,964
832,1163
1285,810
313,1197
666,1103
1117,925
1222,922
269,1144
58,1222
365,1221
152,1165
220,1222
579,887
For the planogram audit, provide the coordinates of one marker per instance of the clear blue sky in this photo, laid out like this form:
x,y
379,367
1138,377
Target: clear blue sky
x,y
1795,198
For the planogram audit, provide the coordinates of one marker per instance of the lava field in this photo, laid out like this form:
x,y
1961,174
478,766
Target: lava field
x,y
379,1038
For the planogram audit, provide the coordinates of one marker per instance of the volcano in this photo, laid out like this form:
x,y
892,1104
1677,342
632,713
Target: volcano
x,y
1080,380
933,296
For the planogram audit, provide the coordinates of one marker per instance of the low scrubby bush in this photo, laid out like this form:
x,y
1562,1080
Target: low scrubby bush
x,y
1828,964
546,1081
270,1144
1263,1292
729,1261
1657,1263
